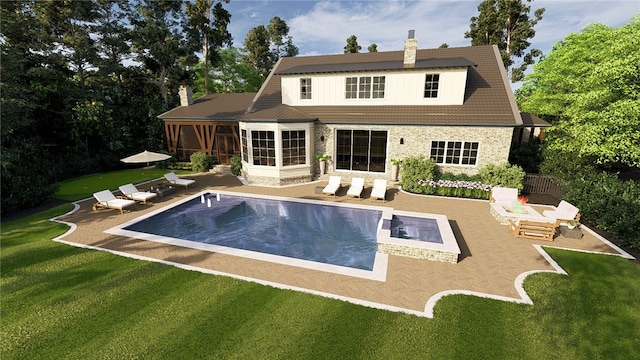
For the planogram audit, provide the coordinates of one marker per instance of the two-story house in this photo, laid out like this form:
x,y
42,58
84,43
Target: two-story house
x,y
454,105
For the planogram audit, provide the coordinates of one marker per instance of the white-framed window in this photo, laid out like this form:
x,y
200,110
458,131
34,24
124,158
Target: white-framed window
x,y
365,87
351,90
431,83
263,146
305,88
455,152
294,150
245,145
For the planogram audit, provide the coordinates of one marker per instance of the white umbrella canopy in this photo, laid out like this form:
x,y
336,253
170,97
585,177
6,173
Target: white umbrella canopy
x,y
145,157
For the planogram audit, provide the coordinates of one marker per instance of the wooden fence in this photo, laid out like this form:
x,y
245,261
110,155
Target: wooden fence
x,y
543,184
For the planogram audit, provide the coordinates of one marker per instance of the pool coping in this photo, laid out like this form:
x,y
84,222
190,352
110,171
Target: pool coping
x,y
378,273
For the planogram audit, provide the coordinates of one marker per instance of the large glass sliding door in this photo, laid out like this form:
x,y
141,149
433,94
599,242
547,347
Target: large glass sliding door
x,y
361,150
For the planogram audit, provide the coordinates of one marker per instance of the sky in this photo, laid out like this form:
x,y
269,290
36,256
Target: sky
x,y
322,27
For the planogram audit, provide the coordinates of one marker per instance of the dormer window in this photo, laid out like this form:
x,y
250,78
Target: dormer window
x,y
431,85
365,87
305,88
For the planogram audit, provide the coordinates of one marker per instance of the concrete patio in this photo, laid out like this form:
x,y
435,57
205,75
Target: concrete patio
x,y
493,262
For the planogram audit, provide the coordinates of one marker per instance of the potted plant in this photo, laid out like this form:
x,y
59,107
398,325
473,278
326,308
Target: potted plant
x,y
322,158
572,224
395,167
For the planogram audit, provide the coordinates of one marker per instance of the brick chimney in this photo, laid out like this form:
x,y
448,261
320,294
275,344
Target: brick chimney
x,y
186,95
410,48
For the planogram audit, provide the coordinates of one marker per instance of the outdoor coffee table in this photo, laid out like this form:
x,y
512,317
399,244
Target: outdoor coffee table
x,y
503,213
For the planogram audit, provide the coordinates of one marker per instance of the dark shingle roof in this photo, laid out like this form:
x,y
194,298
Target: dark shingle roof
x,y
488,100
530,120
376,66
212,107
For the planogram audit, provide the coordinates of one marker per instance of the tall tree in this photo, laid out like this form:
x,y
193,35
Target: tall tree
x,y
258,54
352,46
232,75
113,37
588,86
160,42
210,34
373,48
263,46
506,23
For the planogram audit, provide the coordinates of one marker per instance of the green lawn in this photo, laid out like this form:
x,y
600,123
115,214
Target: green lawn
x,y
59,301
84,187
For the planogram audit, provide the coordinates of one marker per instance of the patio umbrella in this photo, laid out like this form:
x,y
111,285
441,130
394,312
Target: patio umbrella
x,y
145,157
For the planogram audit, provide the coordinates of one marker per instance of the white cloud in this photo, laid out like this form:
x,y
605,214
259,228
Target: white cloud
x,y
322,27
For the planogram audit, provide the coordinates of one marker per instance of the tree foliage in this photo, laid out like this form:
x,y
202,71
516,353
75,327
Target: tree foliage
x,y
352,46
69,103
589,87
209,34
506,23
160,42
231,75
263,46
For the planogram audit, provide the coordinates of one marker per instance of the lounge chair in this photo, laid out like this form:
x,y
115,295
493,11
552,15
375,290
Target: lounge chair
x,y
379,190
131,192
106,199
357,185
173,179
535,230
563,213
503,195
333,186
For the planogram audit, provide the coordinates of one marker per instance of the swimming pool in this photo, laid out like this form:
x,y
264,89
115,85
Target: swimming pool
x,y
346,239
312,234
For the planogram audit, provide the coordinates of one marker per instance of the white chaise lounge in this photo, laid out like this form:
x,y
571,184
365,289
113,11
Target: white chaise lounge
x,y
333,186
357,185
106,199
379,190
132,192
173,179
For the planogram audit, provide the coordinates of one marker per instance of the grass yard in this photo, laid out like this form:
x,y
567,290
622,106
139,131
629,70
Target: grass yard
x,y
59,301
84,187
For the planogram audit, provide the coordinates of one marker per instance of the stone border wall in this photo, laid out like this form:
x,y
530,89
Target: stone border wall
x,y
417,253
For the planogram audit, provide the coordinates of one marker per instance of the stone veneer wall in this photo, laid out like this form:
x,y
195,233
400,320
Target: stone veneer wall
x,y
495,144
272,181
418,253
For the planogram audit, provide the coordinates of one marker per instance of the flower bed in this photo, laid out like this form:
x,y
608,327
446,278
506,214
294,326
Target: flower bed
x,y
456,188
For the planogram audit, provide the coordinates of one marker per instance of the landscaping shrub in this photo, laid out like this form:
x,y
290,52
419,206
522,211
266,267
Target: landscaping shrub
x,y
201,162
456,188
528,156
609,204
505,175
236,164
169,163
414,169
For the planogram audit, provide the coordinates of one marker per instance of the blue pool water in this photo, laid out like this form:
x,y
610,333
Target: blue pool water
x,y
328,234
415,228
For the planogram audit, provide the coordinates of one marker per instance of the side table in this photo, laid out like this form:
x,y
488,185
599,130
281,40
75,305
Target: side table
x,y
574,233
164,191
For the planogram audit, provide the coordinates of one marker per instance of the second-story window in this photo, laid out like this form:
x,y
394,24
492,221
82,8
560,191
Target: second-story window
x,y
431,85
305,88
351,90
378,87
365,87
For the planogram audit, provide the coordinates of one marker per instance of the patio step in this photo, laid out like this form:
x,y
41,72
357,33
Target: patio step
x,y
221,169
